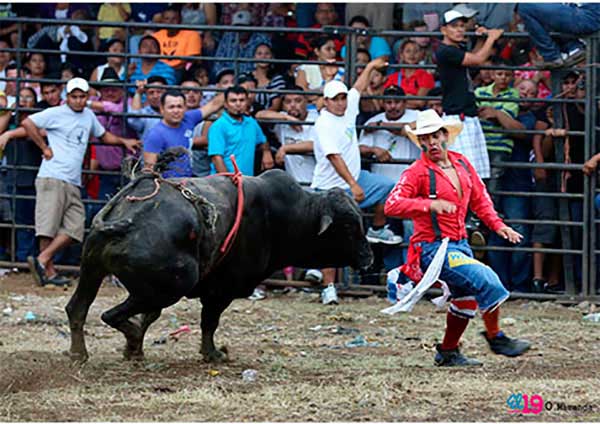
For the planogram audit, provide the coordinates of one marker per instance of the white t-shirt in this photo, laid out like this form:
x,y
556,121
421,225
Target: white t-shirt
x,y
68,136
337,135
398,146
299,166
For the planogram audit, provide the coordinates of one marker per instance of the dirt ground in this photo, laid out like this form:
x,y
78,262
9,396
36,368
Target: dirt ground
x,y
305,371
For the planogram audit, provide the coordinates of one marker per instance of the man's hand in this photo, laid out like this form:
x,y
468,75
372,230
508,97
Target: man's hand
x,y
588,168
442,206
131,69
487,113
378,63
357,192
297,128
132,144
267,160
372,126
382,155
509,234
280,155
494,34
4,139
540,174
140,85
556,132
47,153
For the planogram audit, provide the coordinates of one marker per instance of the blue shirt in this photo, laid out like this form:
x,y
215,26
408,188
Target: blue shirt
x,y
378,47
159,69
228,136
142,125
162,137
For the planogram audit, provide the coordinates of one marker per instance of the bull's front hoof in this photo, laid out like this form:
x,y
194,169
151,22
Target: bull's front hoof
x,y
216,355
76,356
130,355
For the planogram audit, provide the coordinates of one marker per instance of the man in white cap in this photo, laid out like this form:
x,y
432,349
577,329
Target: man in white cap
x,y
59,211
337,158
436,192
458,98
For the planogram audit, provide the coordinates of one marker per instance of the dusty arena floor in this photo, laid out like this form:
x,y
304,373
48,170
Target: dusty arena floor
x,y
304,369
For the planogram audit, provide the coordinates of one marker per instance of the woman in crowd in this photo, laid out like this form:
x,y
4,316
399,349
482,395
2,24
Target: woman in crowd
x,y
414,81
116,62
263,73
314,77
36,64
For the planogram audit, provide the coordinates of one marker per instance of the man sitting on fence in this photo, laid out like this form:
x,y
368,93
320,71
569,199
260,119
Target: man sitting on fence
x,y
436,191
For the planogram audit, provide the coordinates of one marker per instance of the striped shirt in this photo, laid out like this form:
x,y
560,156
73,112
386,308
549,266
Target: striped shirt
x,y
498,142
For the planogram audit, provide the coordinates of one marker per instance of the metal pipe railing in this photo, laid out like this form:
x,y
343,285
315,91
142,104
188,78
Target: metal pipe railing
x,y
588,249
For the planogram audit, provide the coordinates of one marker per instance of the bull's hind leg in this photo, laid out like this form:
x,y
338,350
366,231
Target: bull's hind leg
x,y
78,307
121,318
211,313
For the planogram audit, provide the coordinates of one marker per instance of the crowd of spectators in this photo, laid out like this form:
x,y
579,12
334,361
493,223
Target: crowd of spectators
x,y
199,115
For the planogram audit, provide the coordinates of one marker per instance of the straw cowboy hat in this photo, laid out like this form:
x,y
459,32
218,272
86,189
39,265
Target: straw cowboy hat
x,y
429,122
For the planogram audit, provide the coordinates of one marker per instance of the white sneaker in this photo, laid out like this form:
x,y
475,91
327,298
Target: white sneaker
x,y
314,276
383,235
329,295
257,294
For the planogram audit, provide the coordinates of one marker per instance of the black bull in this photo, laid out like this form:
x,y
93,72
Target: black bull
x,y
167,247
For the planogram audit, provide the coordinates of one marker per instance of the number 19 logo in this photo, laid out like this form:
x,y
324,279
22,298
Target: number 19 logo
x,y
523,404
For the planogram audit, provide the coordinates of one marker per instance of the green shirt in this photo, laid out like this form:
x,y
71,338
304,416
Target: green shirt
x,y
495,141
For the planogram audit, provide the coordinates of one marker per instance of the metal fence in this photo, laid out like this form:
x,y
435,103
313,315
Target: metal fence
x,y
588,225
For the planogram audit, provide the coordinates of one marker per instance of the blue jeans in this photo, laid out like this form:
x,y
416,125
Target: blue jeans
x,y
465,275
513,268
576,210
376,188
25,215
542,18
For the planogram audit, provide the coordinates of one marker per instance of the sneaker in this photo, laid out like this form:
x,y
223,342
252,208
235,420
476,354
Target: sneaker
x,y
453,358
502,345
383,235
257,294
58,280
329,295
37,271
478,239
314,276
553,64
537,285
573,57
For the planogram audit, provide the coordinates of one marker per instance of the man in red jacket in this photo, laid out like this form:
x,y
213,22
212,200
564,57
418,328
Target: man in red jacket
x,y
436,191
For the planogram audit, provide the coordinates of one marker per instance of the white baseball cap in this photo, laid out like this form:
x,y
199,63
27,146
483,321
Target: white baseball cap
x,y
78,84
452,15
333,88
466,11
241,17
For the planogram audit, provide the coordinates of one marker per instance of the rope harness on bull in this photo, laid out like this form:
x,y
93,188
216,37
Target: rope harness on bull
x,y
236,178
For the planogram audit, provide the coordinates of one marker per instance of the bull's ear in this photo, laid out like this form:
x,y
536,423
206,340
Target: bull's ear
x,y
326,221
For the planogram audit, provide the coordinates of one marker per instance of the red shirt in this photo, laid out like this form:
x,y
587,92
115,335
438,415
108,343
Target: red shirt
x,y
419,79
410,199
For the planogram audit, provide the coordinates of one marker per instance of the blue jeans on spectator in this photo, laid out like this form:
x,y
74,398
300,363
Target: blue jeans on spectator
x,y
542,18
513,268
25,215
576,210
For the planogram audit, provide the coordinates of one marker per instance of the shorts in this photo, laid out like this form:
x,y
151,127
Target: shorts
x,y
465,275
376,188
58,209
